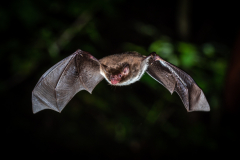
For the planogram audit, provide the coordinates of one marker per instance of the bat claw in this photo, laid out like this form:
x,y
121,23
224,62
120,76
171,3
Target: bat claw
x,y
155,56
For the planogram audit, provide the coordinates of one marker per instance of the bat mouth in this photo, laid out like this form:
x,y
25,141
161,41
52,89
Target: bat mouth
x,y
114,81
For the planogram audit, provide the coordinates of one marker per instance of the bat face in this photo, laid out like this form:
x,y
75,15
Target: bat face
x,y
81,71
126,69
119,75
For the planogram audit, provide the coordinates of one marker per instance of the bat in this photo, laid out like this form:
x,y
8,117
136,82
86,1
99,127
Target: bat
x,y
82,71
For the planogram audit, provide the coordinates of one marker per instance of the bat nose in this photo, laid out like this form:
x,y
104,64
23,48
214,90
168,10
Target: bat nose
x,y
112,77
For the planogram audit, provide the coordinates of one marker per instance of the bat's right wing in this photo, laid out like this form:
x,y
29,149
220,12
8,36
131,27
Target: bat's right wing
x,y
57,86
174,79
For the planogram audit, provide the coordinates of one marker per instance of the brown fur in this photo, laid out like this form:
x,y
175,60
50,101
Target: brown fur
x,y
115,64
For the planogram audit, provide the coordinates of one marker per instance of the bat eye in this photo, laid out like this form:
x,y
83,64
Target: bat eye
x,y
119,75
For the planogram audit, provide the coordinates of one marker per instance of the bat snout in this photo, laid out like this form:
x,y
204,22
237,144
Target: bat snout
x,y
115,79
114,82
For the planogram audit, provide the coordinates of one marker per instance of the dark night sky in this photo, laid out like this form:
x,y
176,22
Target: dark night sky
x,y
114,122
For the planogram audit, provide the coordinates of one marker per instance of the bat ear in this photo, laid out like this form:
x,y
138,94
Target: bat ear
x,y
125,70
104,67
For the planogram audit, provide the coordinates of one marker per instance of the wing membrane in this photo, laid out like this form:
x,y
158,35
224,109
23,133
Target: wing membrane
x,y
174,79
61,82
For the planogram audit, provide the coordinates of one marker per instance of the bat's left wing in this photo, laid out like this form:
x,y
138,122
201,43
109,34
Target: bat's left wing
x,y
174,79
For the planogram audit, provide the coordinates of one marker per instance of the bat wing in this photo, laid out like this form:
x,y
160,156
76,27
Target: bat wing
x,y
57,86
174,79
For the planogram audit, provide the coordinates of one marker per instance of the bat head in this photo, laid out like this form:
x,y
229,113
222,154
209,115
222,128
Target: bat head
x,y
116,75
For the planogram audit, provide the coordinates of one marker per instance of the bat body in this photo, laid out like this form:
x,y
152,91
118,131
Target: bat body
x,y
81,71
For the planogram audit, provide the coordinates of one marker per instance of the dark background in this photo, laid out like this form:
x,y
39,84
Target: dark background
x,y
140,121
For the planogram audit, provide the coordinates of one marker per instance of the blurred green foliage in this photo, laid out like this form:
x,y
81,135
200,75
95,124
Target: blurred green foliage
x,y
143,119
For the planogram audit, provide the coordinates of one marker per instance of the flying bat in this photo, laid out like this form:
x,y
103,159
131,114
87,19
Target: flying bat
x,y
82,71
